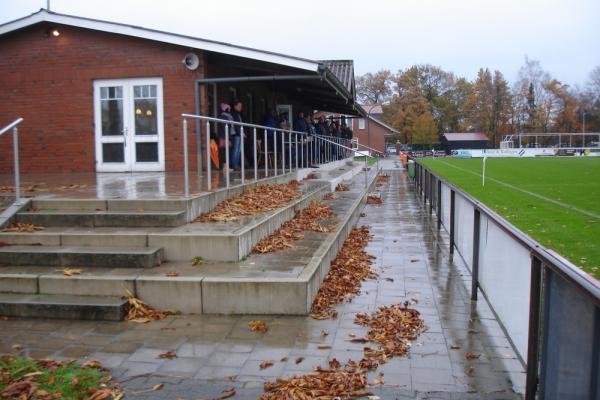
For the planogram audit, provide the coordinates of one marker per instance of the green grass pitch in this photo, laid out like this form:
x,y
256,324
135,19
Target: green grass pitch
x,y
556,201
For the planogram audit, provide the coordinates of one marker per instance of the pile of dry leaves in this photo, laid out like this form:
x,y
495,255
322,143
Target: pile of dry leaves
x,y
351,266
331,383
307,219
23,227
329,196
258,199
140,312
392,327
382,180
374,200
341,188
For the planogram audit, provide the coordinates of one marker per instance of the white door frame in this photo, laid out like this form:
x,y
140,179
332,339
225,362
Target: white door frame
x,y
129,137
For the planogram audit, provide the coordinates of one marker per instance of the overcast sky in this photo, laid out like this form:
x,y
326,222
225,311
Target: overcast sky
x,y
458,35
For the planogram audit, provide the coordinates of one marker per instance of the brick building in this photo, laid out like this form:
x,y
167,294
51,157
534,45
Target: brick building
x,y
108,97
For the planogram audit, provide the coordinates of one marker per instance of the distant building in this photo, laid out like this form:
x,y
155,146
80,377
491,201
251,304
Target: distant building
x,y
457,141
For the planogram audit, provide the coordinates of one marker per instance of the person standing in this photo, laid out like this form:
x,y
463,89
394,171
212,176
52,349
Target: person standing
x,y
225,115
236,138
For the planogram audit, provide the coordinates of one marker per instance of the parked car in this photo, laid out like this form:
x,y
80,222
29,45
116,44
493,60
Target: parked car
x,y
391,150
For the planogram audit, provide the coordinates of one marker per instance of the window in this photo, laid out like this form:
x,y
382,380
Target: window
x,y
361,123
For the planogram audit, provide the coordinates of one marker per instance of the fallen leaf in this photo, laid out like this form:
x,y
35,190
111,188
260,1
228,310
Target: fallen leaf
x,y
258,326
266,364
70,271
158,386
359,340
341,188
389,279
472,356
455,346
23,228
352,334
140,312
283,359
197,261
323,346
335,364
172,274
299,360
324,333
169,355
16,347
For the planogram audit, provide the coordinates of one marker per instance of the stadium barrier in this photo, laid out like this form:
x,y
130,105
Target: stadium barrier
x,y
548,308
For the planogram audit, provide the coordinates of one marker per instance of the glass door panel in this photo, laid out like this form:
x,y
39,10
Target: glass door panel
x,y
129,125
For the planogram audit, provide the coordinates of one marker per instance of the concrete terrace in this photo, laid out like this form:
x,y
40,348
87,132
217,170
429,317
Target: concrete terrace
x,y
210,348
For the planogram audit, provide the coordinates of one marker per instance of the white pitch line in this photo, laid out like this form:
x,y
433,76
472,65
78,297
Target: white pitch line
x,y
539,196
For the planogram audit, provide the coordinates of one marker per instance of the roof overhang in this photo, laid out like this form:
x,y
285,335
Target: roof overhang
x,y
160,36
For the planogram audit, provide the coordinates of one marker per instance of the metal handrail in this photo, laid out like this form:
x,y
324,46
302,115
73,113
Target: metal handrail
x,y
311,147
541,258
13,126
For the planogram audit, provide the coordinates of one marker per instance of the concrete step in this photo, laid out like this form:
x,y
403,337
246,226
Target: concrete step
x,y
99,308
231,241
284,282
81,256
92,219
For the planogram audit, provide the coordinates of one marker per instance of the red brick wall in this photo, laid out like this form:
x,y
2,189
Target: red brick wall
x,y
49,82
377,137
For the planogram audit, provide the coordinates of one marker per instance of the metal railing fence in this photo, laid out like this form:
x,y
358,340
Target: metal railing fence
x,y
278,150
549,308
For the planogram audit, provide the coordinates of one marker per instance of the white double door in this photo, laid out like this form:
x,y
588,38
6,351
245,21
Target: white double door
x,y
129,128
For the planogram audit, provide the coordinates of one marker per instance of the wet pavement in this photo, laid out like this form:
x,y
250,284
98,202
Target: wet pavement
x,y
218,352
136,185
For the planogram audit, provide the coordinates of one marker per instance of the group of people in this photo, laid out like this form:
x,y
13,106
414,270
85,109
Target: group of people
x,y
329,128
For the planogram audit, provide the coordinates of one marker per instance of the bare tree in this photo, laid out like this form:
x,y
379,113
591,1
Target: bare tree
x,y
374,88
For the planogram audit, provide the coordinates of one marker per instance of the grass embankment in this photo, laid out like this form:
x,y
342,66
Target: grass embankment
x,y
556,201
47,379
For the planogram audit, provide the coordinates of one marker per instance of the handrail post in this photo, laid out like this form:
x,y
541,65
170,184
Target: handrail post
x,y
283,152
16,161
255,158
242,155
186,184
475,267
439,204
534,328
296,149
227,166
275,151
452,206
366,171
266,160
290,149
208,165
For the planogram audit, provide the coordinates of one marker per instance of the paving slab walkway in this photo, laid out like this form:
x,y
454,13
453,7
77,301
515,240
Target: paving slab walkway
x,y
211,349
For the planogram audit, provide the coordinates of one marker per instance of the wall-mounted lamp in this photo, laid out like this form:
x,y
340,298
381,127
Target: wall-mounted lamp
x,y
53,32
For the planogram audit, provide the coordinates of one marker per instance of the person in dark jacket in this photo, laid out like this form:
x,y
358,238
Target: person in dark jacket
x,y
236,115
225,115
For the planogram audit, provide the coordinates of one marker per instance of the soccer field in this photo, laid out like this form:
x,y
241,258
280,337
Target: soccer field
x,y
556,201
